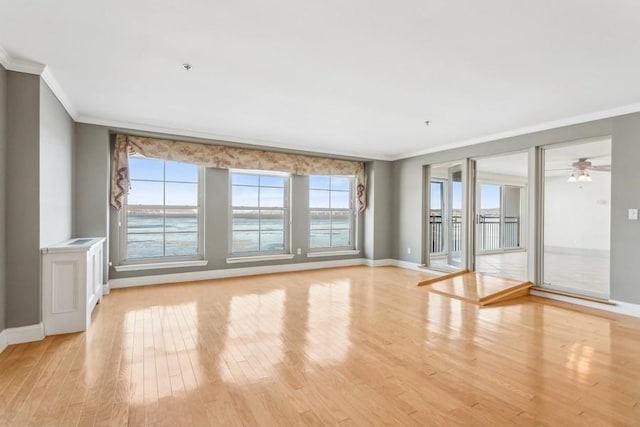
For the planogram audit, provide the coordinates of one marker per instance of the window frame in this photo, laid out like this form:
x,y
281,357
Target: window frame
x,y
286,213
352,217
123,221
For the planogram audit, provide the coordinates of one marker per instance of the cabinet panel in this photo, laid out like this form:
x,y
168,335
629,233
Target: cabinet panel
x,y
64,286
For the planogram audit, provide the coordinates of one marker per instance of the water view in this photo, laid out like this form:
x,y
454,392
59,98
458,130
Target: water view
x,y
250,233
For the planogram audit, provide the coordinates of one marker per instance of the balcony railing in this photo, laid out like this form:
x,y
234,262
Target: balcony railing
x,y
438,237
491,232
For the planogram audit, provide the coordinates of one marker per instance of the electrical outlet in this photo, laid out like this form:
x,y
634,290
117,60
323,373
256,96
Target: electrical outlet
x,y
633,214
409,251
299,251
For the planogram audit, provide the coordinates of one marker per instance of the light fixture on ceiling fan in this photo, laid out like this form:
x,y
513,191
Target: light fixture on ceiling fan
x,y
578,175
581,168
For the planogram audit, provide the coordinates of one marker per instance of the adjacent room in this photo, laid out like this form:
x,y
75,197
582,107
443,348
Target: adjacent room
x,y
319,213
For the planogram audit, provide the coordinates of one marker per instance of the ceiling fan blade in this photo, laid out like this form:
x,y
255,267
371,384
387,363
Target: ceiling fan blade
x,y
599,156
601,168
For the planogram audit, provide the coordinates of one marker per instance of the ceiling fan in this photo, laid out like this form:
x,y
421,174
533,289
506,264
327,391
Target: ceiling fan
x,y
580,170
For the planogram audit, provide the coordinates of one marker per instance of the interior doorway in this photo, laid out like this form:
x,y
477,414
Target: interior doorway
x,y
501,215
577,218
445,216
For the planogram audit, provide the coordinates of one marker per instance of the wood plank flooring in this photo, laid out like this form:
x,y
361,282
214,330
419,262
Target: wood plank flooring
x,y
477,288
348,346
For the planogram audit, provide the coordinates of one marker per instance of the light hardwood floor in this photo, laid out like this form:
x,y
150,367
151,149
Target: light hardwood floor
x,y
349,346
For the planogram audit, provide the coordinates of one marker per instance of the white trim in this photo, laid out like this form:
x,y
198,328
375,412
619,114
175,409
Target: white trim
x,y
409,265
378,262
21,335
56,88
25,66
3,335
146,127
417,267
25,334
5,60
160,265
258,258
230,272
45,73
106,289
568,121
619,307
333,253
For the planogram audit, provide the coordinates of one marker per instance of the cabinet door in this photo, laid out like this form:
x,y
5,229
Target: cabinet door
x,y
63,293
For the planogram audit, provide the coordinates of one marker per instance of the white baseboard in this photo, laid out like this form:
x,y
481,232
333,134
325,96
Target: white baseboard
x,y
106,289
378,262
228,272
191,276
23,334
3,340
409,265
619,307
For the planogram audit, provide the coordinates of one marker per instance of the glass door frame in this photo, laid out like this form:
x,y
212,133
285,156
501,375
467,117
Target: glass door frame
x,y
466,237
539,276
530,205
451,223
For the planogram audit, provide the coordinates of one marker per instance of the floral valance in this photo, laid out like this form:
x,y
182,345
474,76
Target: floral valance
x,y
220,156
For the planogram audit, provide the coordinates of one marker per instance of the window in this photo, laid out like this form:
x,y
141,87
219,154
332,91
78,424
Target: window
x,y
260,214
162,215
331,212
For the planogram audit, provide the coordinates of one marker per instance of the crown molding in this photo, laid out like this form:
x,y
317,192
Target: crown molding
x,y
4,58
32,67
120,125
568,121
25,66
57,90
20,65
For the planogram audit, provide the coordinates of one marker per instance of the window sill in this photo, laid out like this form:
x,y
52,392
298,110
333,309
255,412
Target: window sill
x,y
258,258
157,265
333,253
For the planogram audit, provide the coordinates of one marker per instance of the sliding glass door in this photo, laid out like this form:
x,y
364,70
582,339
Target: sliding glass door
x,y
446,217
577,218
501,215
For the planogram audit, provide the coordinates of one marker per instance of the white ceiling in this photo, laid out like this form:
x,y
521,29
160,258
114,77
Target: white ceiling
x,y
510,164
345,77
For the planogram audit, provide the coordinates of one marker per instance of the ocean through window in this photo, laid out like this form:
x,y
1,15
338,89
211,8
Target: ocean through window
x,y
331,212
259,212
161,216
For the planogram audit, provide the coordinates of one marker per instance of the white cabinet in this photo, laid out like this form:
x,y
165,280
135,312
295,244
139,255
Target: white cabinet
x,y
71,284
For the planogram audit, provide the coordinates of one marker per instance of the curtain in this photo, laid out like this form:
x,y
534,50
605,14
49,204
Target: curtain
x,y
220,156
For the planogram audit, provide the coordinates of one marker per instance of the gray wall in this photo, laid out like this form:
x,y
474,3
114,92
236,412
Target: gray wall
x,y
3,150
91,191
625,234
39,189
407,200
377,223
56,169
92,148
23,200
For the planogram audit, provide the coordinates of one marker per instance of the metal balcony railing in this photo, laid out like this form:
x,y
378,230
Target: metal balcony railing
x,y
492,232
438,236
